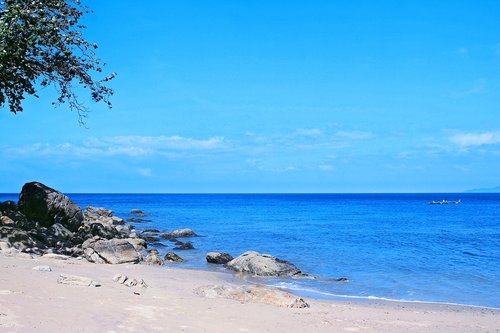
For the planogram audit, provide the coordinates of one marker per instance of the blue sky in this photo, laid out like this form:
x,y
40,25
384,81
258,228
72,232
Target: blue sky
x,y
275,96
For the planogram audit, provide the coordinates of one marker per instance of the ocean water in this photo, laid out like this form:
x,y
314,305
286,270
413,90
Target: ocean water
x,y
391,246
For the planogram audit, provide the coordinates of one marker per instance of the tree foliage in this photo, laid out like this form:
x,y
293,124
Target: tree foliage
x,y
41,45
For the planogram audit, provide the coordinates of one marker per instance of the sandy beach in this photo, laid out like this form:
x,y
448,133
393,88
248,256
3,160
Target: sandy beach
x,y
33,301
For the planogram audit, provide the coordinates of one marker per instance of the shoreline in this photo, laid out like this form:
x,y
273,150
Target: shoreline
x,y
33,300
396,288
309,293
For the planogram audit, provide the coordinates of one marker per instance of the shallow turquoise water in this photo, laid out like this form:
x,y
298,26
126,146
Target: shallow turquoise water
x,y
389,245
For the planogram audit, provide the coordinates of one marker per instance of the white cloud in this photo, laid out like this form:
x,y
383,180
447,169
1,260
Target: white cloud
x,y
146,143
133,146
404,154
309,132
465,140
326,167
269,166
354,135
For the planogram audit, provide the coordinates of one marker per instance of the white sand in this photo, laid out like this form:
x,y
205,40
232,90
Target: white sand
x,y
33,301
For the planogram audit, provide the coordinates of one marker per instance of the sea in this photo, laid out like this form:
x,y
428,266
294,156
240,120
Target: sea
x,y
388,246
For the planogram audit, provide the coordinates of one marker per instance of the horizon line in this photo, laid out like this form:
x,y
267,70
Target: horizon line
x,y
271,193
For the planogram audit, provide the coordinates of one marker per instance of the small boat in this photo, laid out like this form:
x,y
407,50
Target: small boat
x,y
445,202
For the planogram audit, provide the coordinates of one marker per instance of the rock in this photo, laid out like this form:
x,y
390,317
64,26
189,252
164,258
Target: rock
x,y
113,251
115,220
10,215
154,231
138,243
172,257
8,205
120,278
5,246
218,257
342,279
55,236
184,246
16,238
131,283
123,229
153,258
60,232
151,239
55,256
178,234
94,213
102,230
101,222
137,212
42,268
254,263
31,250
123,279
47,206
253,294
77,280
75,251
5,220
137,220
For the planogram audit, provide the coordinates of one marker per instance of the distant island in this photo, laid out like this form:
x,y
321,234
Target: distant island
x,y
485,190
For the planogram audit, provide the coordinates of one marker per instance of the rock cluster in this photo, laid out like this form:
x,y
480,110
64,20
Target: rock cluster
x,y
45,221
126,281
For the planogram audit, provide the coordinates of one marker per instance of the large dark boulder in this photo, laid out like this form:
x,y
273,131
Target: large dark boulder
x,y
255,263
47,206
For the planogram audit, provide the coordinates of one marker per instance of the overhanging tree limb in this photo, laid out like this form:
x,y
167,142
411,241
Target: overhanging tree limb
x,y
41,44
